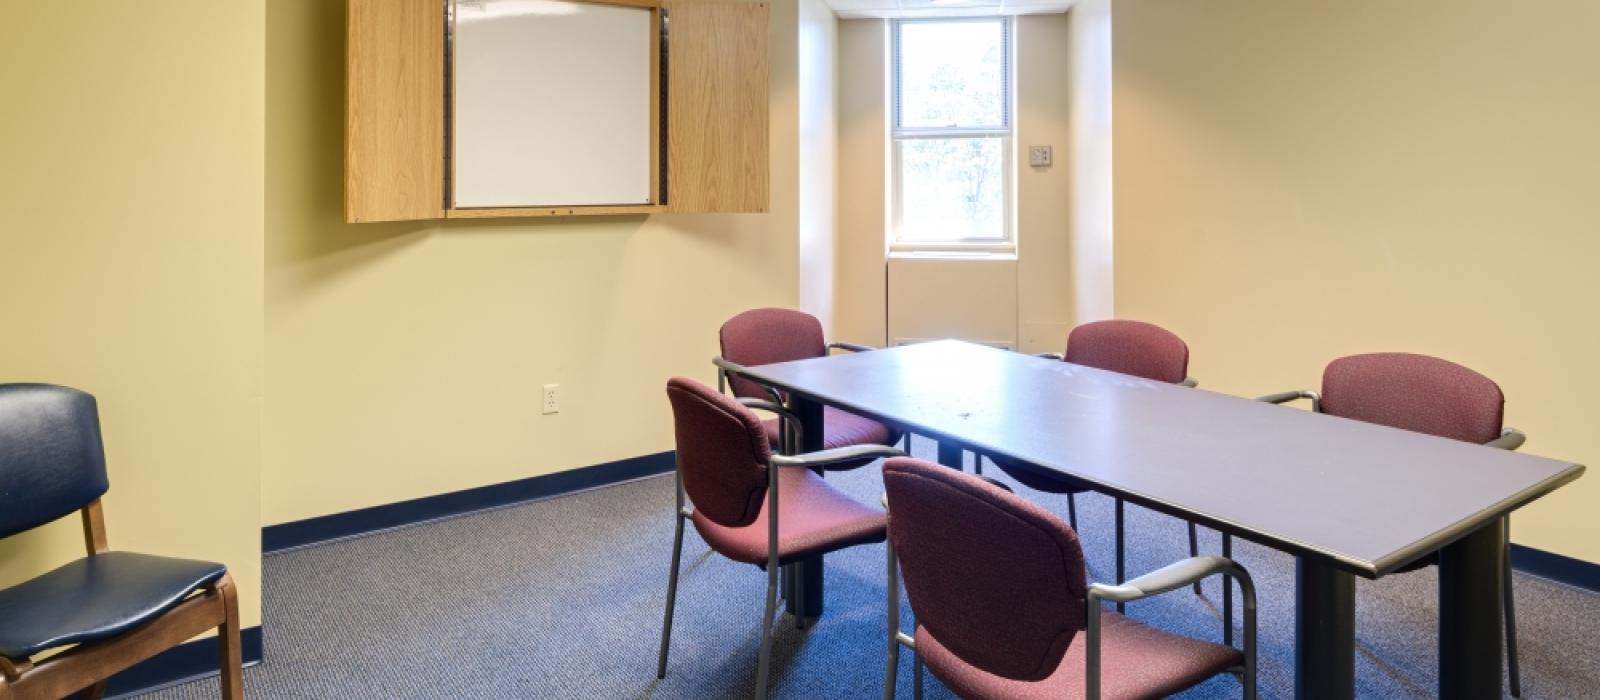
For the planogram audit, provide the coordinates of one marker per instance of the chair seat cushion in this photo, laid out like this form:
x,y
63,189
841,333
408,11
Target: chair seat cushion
x,y
843,429
1036,480
95,598
1136,661
813,518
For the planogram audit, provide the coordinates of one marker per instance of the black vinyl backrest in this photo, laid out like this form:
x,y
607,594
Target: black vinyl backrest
x,y
51,459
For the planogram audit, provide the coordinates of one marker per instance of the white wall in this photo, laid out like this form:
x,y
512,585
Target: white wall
x,y
817,53
1039,298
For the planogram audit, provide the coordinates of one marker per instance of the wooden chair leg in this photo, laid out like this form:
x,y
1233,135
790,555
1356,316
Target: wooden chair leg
x,y
95,692
231,654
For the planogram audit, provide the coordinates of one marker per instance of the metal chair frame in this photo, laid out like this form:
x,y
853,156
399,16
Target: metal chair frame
x,y
1121,518
1171,577
684,510
1510,439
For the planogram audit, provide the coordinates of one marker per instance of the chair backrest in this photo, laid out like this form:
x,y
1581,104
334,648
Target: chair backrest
x,y
1414,392
723,453
996,579
51,459
1130,347
763,336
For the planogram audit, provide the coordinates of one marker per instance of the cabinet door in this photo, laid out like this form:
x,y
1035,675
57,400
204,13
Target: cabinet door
x,y
394,111
716,106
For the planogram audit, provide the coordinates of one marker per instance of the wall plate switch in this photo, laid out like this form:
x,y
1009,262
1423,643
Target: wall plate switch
x,y
1038,155
552,399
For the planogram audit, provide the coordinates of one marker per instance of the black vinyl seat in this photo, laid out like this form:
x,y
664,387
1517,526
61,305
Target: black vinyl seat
x,y
99,615
96,598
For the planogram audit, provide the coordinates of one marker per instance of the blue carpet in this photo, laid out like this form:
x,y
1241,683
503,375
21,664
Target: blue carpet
x,y
562,599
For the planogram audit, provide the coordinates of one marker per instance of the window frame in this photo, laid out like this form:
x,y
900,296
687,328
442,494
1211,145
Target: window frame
x,y
1006,244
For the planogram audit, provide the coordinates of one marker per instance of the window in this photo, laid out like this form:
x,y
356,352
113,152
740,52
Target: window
x,y
951,133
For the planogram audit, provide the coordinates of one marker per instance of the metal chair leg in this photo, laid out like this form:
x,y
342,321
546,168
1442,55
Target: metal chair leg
x,y
1227,593
977,464
1511,619
893,607
672,598
916,675
1194,550
1072,511
797,588
1121,555
763,668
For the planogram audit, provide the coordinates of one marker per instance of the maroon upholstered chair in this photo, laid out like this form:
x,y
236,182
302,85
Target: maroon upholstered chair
x,y
1426,395
1003,608
751,505
763,336
1134,348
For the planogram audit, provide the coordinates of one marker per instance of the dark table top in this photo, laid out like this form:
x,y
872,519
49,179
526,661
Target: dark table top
x,y
1367,497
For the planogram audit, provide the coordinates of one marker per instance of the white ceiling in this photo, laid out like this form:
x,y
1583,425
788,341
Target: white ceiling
x,y
851,9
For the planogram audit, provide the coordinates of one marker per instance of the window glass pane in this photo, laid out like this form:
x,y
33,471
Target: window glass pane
x,y
952,74
952,189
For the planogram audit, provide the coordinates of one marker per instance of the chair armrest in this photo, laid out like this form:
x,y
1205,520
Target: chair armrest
x,y
851,347
836,455
1190,382
785,416
727,368
1510,439
1051,356
1287,396
1170,578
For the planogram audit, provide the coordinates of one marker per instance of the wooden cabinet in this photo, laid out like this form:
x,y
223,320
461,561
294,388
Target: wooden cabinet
x,y
714,126
717,107
394,110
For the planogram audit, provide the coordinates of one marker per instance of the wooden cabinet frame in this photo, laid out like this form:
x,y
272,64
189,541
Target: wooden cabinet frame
x,y
713,116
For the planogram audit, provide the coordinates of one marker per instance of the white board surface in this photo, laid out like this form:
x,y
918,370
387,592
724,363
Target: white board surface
x,y
552,103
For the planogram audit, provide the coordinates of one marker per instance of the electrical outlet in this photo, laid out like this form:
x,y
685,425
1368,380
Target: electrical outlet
x,y
1038,155
552,398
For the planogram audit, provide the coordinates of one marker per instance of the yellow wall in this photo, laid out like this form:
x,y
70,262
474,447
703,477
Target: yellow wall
x,y
863,165
1046,309
406,360
1037,286
1300,181
131,136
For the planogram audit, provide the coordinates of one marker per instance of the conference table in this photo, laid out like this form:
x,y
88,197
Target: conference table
x,y
1345,498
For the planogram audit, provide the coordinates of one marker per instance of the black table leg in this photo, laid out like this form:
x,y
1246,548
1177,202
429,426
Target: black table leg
x,y
950,455
802,580
1324,631
1470,577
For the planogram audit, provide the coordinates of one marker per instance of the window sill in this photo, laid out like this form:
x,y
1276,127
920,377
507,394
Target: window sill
x,y
976,255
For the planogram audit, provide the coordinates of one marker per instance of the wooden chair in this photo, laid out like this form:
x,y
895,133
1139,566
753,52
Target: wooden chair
x,y
110,610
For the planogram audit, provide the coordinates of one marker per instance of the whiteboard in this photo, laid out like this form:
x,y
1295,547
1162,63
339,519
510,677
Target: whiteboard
x,y
552,103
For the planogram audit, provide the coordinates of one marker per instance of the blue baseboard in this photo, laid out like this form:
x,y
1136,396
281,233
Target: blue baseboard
x,y
327,528
186,662
1561,569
